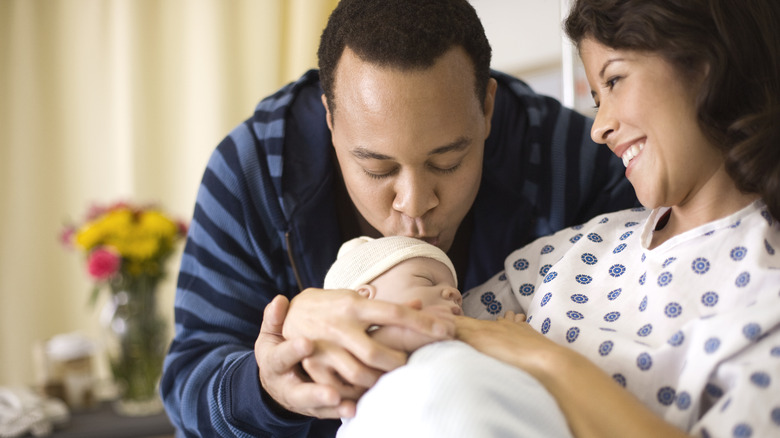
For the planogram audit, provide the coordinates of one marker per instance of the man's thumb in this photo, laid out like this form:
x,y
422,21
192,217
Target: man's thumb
x,y
274,314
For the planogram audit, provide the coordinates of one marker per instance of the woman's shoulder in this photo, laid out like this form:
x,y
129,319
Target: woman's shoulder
x,y
604,230
605,227
756,237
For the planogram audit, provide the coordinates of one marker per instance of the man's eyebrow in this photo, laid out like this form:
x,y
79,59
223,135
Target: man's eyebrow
x,y
457,145
363,153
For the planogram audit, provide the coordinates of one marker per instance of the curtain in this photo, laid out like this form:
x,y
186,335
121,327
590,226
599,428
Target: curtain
x,y
108,100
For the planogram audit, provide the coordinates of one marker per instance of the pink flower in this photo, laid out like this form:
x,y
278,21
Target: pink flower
x,y
66,236
102,263
182,226
95,211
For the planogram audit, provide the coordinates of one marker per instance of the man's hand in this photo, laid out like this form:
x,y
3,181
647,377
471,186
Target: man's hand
x,y
404,339
342,317
281,374
324,333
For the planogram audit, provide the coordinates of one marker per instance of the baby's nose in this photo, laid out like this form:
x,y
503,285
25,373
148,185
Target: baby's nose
x,y
451,293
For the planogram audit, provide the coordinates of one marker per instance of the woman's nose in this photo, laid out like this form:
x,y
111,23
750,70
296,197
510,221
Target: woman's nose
x,y
603,125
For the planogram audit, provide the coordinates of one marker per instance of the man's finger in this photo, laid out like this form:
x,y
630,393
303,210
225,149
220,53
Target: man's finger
x,y
271,349
314,399
386,313
335,366
274,314
347,409
414,304
286,355
372,353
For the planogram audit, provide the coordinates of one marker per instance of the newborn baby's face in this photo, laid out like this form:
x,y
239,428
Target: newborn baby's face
x,y
420,278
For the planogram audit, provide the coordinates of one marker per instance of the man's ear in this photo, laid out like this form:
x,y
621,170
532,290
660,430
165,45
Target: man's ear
x,y
367,291
488,105
328,115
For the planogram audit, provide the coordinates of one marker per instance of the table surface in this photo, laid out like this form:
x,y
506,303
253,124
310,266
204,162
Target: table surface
x,y
102,422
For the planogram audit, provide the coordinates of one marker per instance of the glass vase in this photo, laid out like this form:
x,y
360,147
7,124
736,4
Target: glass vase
x,y
136,343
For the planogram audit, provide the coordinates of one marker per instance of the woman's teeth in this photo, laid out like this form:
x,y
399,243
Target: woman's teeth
x,y
632,152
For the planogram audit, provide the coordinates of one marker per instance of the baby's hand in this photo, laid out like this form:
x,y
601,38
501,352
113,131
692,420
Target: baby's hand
x,y
512,317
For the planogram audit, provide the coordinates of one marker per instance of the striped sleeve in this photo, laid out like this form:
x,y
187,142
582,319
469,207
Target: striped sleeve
x,y
229,272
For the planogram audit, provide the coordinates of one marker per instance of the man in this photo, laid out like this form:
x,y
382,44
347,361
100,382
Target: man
x,y
410,134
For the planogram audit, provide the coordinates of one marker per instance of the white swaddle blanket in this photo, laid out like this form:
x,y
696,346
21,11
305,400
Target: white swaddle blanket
x,y
448,389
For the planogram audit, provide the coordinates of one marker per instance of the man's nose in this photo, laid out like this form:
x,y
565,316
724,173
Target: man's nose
x,y
415,194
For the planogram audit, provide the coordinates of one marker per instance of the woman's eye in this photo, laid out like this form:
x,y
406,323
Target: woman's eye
x,y
611,82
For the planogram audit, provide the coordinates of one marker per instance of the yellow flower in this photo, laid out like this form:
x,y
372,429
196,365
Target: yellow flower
x,y
156,223
141,248
88,236
144,237
117,223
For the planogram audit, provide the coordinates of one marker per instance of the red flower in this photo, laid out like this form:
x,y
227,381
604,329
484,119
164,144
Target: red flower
x,y
102,263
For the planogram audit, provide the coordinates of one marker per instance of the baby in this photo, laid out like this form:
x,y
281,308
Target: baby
x,y
409,400
402,270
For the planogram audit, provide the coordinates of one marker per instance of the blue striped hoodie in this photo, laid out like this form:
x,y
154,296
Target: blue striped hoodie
x,y
265,223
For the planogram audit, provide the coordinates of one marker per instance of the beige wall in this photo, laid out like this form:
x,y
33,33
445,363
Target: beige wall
x,y
103,100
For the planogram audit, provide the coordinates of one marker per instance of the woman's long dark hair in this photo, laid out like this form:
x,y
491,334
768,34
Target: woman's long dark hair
x,y
739,41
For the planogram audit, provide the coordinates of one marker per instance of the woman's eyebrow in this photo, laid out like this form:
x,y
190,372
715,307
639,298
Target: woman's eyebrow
x,y
606,64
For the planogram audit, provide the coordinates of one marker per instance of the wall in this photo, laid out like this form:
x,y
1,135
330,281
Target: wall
x,y
109,99
526,40
104,100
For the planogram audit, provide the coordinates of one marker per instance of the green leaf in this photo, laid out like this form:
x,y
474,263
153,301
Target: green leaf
x,y
93,296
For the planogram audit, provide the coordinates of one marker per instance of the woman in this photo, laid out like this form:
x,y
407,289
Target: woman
x,y
665,321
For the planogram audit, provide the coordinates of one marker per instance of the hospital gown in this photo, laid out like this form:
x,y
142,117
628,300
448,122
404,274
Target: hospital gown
x,y
691,327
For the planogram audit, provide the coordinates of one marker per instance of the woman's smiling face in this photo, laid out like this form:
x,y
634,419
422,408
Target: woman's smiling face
x,y
647,116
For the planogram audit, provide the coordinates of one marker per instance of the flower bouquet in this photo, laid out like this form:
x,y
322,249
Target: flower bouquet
x,y
126,248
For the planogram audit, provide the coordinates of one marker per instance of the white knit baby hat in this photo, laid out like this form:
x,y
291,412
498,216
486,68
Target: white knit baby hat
x,y
363,259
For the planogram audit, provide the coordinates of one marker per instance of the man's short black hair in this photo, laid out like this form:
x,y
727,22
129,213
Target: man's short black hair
x,y
403,34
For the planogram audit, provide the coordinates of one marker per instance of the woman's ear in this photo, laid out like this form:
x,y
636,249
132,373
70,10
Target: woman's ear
x,y
367,291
